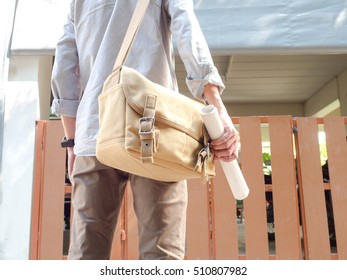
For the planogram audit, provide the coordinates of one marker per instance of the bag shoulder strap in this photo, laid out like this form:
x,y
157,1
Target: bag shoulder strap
x,y
134,26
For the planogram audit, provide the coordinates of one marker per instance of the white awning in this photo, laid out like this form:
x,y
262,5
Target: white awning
x,y
38,25
256,26
230,26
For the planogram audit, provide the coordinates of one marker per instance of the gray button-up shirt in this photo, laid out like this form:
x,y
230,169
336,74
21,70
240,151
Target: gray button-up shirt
x,y
86,53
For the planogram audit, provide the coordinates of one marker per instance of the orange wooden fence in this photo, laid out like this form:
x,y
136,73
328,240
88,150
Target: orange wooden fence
x,y
215,229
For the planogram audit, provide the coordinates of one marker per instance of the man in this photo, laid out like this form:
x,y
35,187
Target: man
x,y
85,55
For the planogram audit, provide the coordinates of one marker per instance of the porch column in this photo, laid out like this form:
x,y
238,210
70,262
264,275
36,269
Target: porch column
x,y
342,84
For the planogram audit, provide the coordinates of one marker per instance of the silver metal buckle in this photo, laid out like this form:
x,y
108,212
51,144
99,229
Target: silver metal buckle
x,y
146,119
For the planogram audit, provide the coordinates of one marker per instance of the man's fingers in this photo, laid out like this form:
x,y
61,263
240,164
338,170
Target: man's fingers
x,y
226,147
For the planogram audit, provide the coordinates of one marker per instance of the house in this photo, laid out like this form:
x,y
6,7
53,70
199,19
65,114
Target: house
x,y
276,58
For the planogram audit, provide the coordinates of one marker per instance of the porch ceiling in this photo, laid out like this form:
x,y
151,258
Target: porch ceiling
x,y
272,78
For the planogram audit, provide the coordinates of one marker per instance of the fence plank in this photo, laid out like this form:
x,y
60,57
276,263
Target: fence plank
x,y
198,221
315,225
225,235
284,189
132,237
337,157
125,244
38,174
254,205
117,250
52,194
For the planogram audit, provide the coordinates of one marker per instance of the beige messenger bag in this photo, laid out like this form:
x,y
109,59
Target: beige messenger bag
x,y
147,129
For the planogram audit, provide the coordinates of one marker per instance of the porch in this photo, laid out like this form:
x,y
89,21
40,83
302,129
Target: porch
x,y
308,209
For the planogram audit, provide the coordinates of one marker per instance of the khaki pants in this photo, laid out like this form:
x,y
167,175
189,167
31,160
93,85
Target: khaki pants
x,y
98,191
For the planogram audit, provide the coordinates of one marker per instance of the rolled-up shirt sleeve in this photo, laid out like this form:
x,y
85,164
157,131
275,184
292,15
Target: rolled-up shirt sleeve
x,y
193,48
66,82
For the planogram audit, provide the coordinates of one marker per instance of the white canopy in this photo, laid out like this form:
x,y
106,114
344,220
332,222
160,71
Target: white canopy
x,y
260,25
230,26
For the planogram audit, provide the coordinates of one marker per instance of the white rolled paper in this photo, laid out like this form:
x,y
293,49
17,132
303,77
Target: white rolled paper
x,y
231,169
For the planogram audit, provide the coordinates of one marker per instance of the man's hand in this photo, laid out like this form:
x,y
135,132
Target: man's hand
x,y
226,147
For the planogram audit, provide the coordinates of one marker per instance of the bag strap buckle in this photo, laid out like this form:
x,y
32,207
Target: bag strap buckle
x,y
146,125
147,132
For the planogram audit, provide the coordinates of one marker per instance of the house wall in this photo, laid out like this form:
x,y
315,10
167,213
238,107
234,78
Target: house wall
x,y
44,83
266,109
17,132
327,97
330,100
17,169
27,99
20,113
